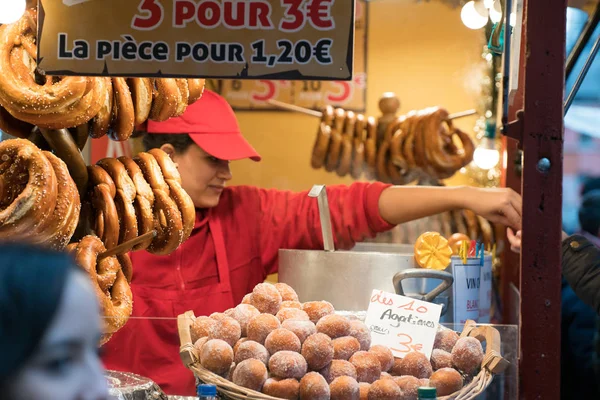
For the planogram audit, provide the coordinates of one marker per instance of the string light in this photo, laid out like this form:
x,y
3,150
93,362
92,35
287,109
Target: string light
x,y
474,14
11,10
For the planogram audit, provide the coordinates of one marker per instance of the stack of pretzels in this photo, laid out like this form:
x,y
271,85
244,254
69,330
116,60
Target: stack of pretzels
x,y
98,106
110,278
130,197
422,143
39,201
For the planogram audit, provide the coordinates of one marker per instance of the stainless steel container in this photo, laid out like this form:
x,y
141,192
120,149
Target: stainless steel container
x,y
347,278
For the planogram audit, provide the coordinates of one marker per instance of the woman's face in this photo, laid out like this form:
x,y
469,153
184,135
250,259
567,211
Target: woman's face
x,y
203,176
66,366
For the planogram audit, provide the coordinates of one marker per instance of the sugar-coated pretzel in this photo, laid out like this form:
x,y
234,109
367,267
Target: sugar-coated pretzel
x,y
144,200
125,196
123,113
110,283
184,94
105,217
141,94
165,96
196,90
346,151
100,124
28,188
182,199
319,154
59,102
335,146
167,218
358,147
371,147
59,226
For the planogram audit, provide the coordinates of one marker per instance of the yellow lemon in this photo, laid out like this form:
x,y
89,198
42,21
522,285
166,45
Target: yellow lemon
x,y
432,251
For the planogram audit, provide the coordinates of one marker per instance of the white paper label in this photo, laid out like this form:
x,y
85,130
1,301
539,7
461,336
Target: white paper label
x,y
466,289
485,291
402,323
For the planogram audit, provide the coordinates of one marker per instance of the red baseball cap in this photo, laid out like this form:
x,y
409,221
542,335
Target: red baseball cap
x,y
212,125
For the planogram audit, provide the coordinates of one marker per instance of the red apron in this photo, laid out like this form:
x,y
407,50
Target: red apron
x,y
148,344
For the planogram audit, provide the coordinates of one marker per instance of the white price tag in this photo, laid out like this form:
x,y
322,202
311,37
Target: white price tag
x,y
467,280
402,323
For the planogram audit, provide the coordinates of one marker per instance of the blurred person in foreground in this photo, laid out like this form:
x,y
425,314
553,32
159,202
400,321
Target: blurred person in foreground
x,y
49,328
580,324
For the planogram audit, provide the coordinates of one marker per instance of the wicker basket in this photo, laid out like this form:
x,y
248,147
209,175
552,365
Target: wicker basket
x,y
493,363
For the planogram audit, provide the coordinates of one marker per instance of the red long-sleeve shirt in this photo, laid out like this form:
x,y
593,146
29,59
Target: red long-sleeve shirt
x,y
244,232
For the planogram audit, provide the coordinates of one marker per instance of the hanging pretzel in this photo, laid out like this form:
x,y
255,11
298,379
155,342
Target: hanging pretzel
x,y
109,282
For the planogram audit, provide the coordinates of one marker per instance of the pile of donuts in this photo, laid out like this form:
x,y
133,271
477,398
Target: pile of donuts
x,y
276,345
110,277
39,201
421,143
129,197
98,105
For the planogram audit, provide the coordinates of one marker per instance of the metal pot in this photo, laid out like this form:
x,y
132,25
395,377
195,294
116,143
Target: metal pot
x,y
347,278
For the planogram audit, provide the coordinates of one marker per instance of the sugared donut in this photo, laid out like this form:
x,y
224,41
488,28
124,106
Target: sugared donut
x,y
384,389
216,356
229,375
227,329
302,329
243,313
440,359
286,292
338,368
250,349
260,326
446,381
409,386
416,364
291,304
396,369
250,374
292,313
424,382
198,345
282,339
282,388
385,375
218,316
318,351
334,326
266,298
345,347
318,309
368,367
238,344
362,333
445,340
467,355
364,390
287,364
314,387
386,358
246,299
201,327
344,388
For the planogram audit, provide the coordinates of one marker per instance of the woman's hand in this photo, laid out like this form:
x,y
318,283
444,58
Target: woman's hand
x,y
500,206
514,240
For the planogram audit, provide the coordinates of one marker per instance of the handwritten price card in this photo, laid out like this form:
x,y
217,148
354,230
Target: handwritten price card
x,y
244,95
249,39
403,324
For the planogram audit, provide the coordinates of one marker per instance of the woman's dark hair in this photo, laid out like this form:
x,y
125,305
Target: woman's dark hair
x,y
180,142
32,281
589,213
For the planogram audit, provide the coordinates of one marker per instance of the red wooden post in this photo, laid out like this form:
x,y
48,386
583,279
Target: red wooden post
x,y
542,139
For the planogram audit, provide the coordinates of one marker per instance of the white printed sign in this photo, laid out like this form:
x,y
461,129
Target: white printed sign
x,y
402,323
485,291
467,280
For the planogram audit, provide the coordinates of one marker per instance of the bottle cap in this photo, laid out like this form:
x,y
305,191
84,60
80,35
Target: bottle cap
x,y
207,390
427,393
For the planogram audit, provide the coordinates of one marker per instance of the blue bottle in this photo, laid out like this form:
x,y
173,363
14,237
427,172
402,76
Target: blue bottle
x,y
207,392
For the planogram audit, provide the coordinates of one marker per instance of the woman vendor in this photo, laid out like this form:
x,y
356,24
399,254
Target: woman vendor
x,y
239,230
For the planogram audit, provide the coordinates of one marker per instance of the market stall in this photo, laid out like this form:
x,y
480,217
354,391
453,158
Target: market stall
x,y
76,88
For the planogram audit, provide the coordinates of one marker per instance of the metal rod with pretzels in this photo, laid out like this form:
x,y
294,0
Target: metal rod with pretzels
x,y
318,114
127,246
